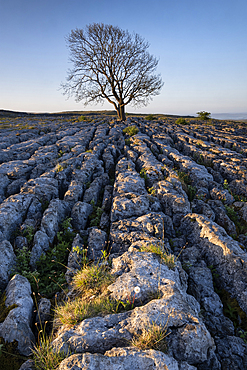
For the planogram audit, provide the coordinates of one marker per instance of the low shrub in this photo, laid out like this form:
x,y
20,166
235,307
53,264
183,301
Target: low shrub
x,y
150,117
181,121
81,119
130,130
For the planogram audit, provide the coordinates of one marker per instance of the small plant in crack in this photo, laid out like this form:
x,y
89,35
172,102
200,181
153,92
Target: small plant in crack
x,y
29,233
130,302
184,177
191,192
130,130
95,216
153,336
152,191
60,153
158,248
143,174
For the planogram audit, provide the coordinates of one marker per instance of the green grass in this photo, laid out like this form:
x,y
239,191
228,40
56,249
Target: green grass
x,y
130,130
152,337
93,279
79,309
90,300
150,117
184,177
167,258
49,276
181,121
44,357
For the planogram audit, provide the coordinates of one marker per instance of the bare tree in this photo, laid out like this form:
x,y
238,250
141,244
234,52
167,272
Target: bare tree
x,y
110,63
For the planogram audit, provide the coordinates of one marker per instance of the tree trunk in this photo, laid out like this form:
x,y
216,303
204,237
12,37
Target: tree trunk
x,y
121,113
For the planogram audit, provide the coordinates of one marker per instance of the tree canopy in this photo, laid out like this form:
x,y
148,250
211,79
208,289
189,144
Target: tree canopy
x,y
110,63
203,115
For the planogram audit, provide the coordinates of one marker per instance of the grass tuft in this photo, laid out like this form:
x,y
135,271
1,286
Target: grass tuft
x,y
44,356
166,257
152,337
89,285
92,279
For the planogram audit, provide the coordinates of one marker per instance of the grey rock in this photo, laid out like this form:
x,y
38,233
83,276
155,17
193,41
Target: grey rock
x,y
4,182
109,162
79,215
44,188
96,244
145,271
35,209
189,339
15,186
221,216
40,245
53,216
239,187
16,326
232,352
15,169
199,174
173,199
21,242
222,195
131,155
243,212
199,206
151,227
122,359
7,262
28,365
129,182
75,258
107,198
201,287
124,165
221,251
44,312
74,192
129,207
104,221
92,193
152,168
12,212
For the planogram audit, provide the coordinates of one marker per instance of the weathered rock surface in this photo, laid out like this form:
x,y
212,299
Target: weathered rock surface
x,y
41,245
79,214
174,310
150,227
221,251
96,244
123,359
16,326
12,212
7,262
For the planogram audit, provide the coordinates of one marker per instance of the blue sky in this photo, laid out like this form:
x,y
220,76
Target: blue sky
x,y
201,46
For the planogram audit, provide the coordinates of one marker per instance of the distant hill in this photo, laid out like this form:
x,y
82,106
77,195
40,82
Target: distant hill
x,y
220,116
231,116
8,113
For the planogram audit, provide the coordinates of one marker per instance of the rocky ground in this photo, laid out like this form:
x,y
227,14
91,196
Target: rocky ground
x,y
92,185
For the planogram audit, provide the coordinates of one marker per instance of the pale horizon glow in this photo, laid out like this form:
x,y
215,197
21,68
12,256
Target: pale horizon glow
x,y
201,47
